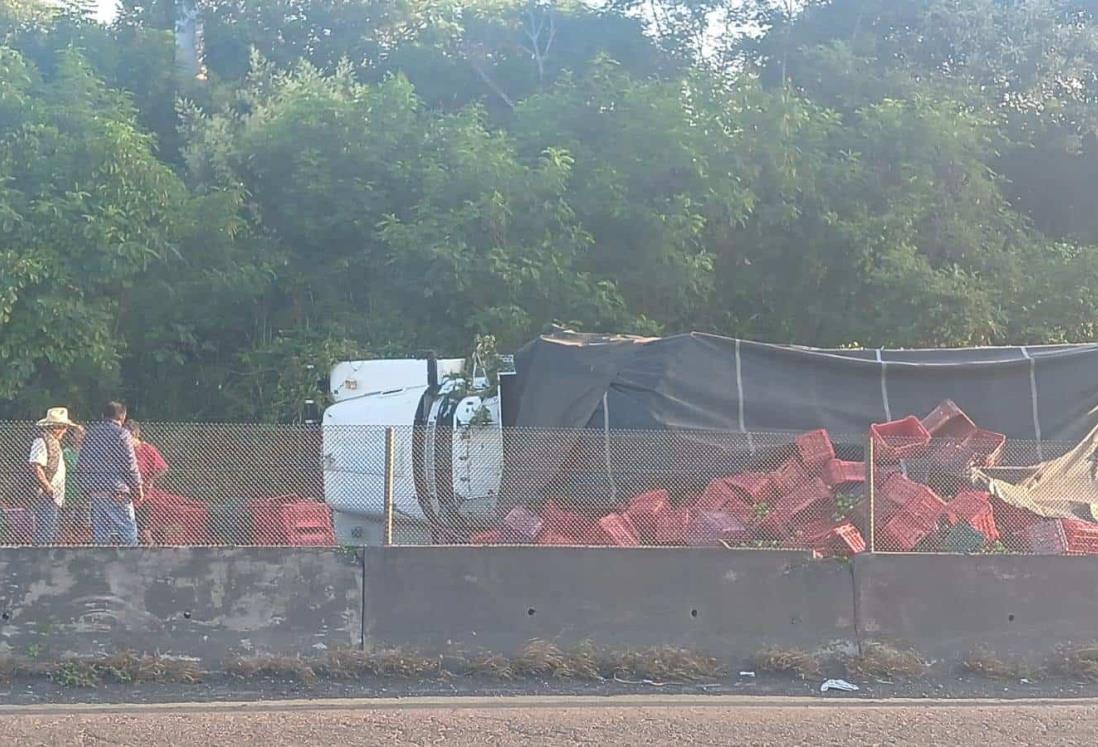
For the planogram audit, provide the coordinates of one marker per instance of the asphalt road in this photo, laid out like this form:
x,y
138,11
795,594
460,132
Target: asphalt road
x,y
629,720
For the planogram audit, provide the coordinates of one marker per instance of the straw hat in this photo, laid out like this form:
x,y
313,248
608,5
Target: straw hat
x,y
56,417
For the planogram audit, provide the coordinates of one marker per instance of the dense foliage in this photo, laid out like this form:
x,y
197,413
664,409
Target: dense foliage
x,y
370,177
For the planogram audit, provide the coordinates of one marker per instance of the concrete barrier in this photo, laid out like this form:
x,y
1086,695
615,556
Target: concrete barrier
x,y
201,602
947,605
717,601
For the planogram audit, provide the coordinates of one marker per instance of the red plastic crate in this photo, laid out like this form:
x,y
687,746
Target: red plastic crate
x,y
291,520
787,477
948,421
815,449
613,529
902,533
521,526
987,446
1011,519
925,508
841,540
563,521
643,510
952,457
710,527
974,507
806,503
487,537
719,496
671,526
837,472
899,439
19,525
1062,536
550,537
179,522
757,487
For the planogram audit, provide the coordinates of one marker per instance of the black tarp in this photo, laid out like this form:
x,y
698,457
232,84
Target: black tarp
x,y
696,384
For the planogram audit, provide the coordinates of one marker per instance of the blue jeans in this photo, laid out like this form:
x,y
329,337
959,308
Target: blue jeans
x,y
46,515
113,520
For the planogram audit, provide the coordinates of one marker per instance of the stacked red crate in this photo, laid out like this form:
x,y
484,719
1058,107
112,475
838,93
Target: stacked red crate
x,y
613,529
291,520
671,526
757,487
712,527
175,520
948,421
815,449
899,439
837,472
643,511
914,521
788,476
810,501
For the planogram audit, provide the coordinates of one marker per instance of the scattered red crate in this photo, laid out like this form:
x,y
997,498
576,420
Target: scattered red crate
x,y
952,457
671,526
899,439
807,502
710,527
842,540
179,521
902,533
291,520
550,537
756,486
488,537
1062,536
948,421
815,449
719,496
837,472
974,507
613,529
788,476
643,510
521,526
563,521
987,446
1012,519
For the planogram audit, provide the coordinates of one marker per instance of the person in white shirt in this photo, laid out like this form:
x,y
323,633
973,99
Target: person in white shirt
x,y
47,464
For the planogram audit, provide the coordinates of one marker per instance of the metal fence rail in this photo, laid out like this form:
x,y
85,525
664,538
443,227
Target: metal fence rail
x,y
835,494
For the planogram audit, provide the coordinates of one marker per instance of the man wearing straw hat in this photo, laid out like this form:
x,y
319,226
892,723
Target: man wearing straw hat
x,y
48,465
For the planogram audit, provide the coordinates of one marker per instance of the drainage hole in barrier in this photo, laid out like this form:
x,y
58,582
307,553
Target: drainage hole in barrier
x,y
1010,618
531,611
5,616
187,614
693,613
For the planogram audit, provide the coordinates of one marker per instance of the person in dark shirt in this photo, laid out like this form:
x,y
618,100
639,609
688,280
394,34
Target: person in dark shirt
x,y
107,473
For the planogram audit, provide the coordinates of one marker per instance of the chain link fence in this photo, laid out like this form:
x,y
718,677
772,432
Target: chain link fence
x,y
907,486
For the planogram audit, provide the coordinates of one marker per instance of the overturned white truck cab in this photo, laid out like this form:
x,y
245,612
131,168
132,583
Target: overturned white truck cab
x,y
559,423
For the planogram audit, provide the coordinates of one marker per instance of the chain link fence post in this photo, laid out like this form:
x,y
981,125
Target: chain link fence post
x,y
871,493
390,454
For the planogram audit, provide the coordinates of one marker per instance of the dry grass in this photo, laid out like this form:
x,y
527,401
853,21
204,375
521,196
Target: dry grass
x,y
123,668
487,664
787,661
662,664
279,667
884,661
1079,663
985,664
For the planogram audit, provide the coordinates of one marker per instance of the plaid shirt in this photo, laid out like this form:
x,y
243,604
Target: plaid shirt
x,y
107,462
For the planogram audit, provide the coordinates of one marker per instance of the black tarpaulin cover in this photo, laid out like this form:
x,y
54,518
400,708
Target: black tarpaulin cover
x,y
699,382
